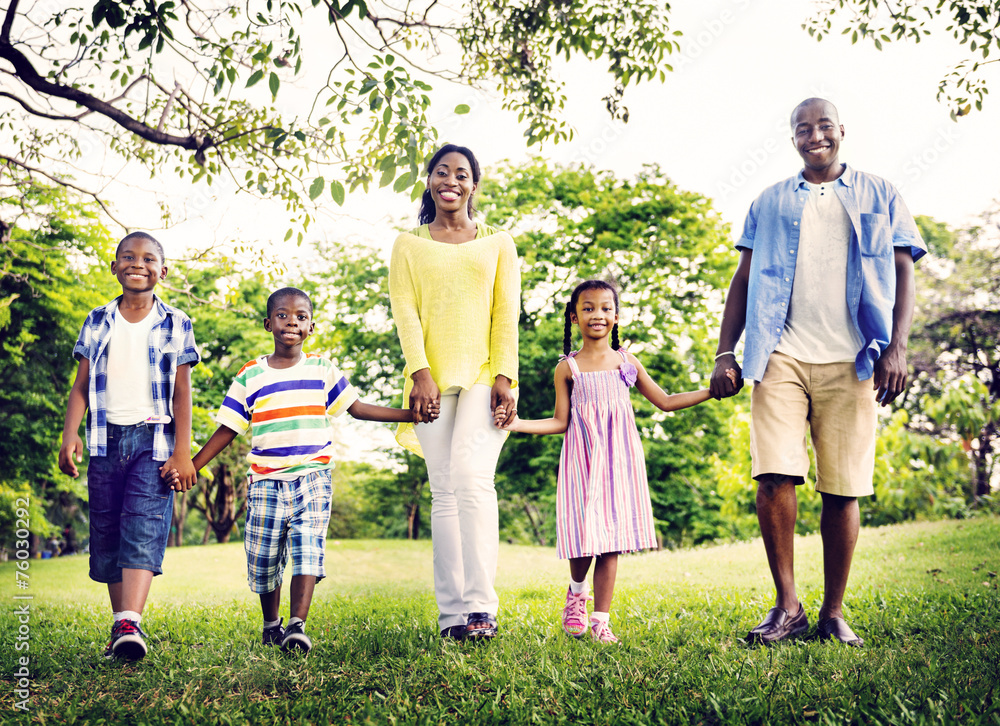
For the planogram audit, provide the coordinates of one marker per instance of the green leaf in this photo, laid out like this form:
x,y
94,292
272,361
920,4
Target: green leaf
x,y
274,82
402,183
316,188
254,78
337,192
462,108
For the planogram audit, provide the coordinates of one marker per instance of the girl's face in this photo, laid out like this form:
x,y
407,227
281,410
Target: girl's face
x,y
595,313
450,183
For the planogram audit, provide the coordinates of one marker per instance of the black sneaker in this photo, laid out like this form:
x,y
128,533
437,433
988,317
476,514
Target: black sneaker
x,y
128,642
296,638
274,634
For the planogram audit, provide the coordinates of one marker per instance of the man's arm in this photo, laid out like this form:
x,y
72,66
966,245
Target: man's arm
x,y
734,318
890,368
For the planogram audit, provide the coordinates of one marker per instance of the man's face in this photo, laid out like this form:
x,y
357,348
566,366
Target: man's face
x,y
816,133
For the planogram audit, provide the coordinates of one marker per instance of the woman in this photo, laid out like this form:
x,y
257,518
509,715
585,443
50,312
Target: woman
x,y
455,290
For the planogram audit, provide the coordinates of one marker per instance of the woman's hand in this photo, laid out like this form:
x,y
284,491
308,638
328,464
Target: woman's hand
x,y
425,397
501,396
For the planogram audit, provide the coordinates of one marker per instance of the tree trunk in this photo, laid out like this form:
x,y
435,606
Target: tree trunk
x,y
534,518
413,520
176,538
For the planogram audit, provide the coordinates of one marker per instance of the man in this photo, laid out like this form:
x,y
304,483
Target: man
x,y
824,289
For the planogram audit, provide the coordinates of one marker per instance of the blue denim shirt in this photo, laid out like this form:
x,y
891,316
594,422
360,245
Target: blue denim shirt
x,y
171,344
880,222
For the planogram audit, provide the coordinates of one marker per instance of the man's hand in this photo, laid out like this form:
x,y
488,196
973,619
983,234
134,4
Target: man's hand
x,y
890,375
727,378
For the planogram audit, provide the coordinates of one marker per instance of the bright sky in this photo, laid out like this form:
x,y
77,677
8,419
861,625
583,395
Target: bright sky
x,y
717,126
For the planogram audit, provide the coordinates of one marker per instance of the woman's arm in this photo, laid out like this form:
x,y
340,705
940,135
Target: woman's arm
x,y
406,316
560,417
503,329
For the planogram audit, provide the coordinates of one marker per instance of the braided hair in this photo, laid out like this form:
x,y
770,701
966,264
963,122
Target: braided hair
x,y
571,309
427,211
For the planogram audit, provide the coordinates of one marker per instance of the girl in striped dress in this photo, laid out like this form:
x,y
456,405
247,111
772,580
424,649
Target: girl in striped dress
x,y
602,498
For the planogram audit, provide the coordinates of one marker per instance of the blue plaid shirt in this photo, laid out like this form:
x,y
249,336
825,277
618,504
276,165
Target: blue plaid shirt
x,y
880,222
171,344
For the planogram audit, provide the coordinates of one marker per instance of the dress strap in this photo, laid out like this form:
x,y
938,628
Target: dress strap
x,y
573,367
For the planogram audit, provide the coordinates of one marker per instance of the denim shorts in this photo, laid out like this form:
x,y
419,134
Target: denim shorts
x,y
131,507
286,517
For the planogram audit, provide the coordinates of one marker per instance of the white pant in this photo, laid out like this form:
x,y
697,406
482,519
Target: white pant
x,y
461,449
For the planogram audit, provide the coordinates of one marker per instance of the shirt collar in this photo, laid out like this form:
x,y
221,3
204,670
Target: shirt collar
x,y
847,178
160,309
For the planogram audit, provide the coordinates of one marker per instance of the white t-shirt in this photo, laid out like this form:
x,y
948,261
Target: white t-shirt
x,y
818,328
129,395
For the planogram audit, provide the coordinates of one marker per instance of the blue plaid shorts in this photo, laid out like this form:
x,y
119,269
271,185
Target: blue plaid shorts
x,y
286,517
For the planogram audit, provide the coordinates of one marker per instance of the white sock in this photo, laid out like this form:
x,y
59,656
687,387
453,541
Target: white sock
x,y
292,621
271,623
600,617
128,615
577,587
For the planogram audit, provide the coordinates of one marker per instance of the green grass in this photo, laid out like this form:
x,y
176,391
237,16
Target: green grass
x,y
924,596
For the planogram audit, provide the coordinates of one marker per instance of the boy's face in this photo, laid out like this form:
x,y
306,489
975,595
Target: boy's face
x,y
138,266
290,321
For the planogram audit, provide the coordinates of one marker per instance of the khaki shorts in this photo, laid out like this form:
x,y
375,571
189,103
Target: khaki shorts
x,y
826,400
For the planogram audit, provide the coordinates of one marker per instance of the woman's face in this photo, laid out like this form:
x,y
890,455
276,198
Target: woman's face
x,y
450,183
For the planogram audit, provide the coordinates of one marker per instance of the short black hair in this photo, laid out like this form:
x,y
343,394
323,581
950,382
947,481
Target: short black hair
x,y
146,236
284,292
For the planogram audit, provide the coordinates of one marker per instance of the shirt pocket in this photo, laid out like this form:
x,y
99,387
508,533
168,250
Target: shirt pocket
x,y
876,235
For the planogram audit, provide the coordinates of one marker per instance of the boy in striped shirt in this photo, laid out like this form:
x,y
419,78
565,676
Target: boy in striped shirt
x,y
287,399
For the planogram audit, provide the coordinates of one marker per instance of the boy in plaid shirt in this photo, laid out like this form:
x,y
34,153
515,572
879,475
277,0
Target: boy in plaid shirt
x,y
287,398
134,384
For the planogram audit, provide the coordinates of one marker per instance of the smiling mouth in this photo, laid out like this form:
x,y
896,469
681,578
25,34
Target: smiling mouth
x,y
449,196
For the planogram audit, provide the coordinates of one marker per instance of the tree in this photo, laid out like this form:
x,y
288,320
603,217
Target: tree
x,y
956,342
179,86
54,261
971,24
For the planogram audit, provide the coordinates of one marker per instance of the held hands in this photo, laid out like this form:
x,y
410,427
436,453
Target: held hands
x,y
727,379
179,473
72,448
425,397
502,403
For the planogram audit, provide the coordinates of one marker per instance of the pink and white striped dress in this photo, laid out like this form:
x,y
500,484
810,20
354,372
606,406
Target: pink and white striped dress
x,y
602,497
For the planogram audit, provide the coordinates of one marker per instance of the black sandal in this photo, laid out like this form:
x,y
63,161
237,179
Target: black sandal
x,y
481,626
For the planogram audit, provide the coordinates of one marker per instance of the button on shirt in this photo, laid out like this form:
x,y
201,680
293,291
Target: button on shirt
x,y
880,222
171,344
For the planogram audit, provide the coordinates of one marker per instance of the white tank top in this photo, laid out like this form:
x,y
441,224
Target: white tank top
x,y
129,391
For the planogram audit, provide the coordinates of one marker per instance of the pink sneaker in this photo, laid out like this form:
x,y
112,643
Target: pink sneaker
x,y
574,614
601,632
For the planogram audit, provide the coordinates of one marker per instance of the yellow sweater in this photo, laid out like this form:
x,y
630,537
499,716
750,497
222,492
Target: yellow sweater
x,y
456,309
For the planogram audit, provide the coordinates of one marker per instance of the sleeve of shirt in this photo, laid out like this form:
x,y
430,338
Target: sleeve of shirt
x,y
82,348
505,313
188,353
749,228
340,394
233,413
905,232
403,301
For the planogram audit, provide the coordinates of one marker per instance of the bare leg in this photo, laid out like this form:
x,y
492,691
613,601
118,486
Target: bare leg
x,y
269,603
579,567
605,572
131,592
839,524
777,508
302,595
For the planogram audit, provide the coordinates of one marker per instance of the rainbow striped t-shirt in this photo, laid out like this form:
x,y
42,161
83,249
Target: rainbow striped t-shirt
x,y
289,410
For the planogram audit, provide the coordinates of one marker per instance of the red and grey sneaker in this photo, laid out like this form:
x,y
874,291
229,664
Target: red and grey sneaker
x,y
128,642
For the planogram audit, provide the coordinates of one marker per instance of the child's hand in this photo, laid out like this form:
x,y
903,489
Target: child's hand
x,y
731,375
500,415
179,473
72,448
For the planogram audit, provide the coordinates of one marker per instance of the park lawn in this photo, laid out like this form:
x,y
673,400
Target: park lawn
x,y
923,595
